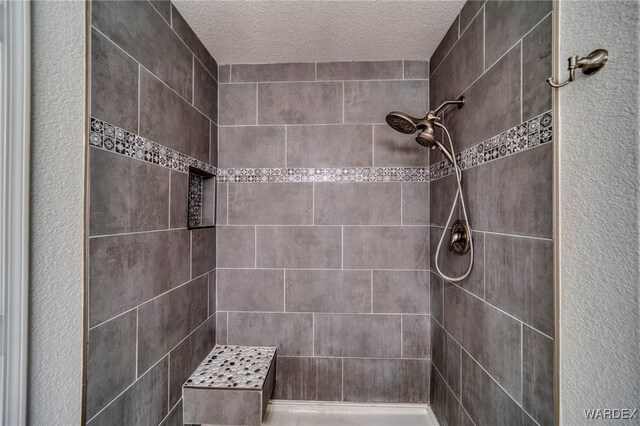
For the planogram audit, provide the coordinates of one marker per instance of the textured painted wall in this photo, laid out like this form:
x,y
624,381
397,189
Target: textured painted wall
x,y
493,333
57,213
333,273
599,216
152,287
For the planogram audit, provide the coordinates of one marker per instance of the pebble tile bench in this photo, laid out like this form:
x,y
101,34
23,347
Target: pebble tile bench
x,y
232,386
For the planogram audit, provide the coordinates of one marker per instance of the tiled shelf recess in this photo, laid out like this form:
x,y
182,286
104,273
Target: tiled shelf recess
x,y
232,386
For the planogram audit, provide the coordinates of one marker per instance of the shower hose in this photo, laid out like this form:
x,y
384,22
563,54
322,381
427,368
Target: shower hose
x,y
459,195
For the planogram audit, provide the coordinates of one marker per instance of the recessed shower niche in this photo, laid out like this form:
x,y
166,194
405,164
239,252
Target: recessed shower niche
x,y
201,199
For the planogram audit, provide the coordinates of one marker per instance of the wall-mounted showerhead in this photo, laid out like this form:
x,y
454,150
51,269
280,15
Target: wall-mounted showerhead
x,y
407,124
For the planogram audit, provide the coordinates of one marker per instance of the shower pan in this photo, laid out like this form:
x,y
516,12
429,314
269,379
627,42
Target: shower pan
x,y
461,240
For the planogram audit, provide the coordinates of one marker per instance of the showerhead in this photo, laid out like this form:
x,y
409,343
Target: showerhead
x,y
407,124
402,122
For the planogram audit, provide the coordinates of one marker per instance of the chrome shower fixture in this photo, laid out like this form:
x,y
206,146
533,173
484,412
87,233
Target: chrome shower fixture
x,y
407,124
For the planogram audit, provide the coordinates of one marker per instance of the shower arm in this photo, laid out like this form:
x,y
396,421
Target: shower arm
x,y
445,104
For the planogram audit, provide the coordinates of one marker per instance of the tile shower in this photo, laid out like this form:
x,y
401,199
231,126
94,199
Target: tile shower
x,y
327,220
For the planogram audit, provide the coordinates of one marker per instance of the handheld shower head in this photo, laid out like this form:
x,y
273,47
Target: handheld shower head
x,y
407,124
402,122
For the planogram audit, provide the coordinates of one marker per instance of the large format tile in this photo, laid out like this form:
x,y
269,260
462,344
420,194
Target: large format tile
x,y
203,251
328,291
221,203
371,101
188,355
386,380
144,403
418,70
209,406
213,144
360,70
497,95
514,194
270,203
111,360
490,336
184,31
340,145
415,203
455,265
163,322
292,334
237,103
536,67
140,31
507,21
250,290
538,373
174,418
405,292
169,120
314,379
127,270
461,67
386,247
357,335
235,246
436,294
520,279
273,72
443,192
444,404
450,38
395,149
252,146
205,91
445,356
212,292
224,73
298,247
221,328
357,203
114,84
485,401
178,199
120,199
468,11
300,103
416,339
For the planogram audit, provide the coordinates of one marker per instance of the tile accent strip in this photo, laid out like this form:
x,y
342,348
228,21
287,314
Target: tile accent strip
x,y
112,138
529,134
526,135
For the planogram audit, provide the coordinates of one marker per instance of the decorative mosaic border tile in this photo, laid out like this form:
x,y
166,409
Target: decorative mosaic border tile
x,y
240,367
526,135
346,174
531,133
112,138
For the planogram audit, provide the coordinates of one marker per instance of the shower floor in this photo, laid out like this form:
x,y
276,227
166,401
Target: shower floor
x,y
302,413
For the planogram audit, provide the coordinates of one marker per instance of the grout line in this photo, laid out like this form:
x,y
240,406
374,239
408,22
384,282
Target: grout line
x,y
355,80
371,283
112,318
373,145
342,379
382,314
171,410
484,40
521,78
139,79
137,346
313,203
343,102
327,269
459,400
169,207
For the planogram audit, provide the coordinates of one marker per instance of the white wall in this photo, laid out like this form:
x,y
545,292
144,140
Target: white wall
x,y
598,206
57,213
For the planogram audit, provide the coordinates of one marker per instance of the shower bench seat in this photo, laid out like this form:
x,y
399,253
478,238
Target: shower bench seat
x,y
232,386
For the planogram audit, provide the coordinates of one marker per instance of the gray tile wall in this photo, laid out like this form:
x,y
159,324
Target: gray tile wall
x,y
492,334
152,282
336,275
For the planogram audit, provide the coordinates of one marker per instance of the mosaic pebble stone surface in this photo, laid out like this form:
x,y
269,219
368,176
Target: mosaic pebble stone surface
x,y
238,367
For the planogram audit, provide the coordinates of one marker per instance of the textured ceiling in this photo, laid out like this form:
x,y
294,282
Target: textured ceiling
x,y
270,31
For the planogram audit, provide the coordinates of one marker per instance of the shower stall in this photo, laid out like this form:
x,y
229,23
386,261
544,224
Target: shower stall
x,y
312,213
